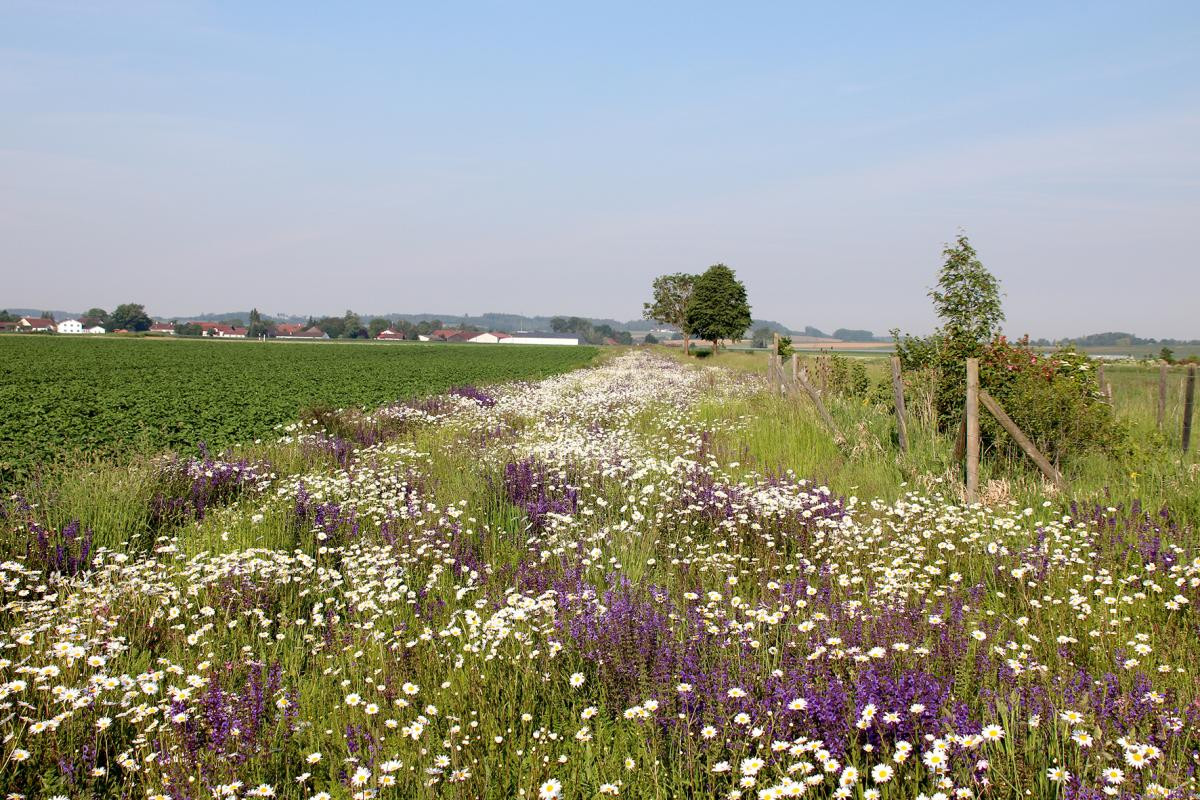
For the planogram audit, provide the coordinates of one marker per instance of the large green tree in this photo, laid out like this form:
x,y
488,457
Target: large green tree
x,y
130,317
257,327
718,308
97,314
352,327
672,293
377,326
967,297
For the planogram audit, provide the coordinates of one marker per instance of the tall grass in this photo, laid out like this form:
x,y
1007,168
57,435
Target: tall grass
x,y
409,612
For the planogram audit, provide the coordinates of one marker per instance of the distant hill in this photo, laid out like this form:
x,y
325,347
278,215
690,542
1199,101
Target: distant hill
x,y
851,335
37,312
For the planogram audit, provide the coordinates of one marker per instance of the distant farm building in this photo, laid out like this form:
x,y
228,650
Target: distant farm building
x,y
488,338
540,337
163,327
390,335
446,335
35,325
78,326
290,331
219,330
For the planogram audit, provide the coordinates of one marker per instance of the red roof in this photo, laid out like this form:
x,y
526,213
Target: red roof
x,y
451,335
39,322
390,334
288,328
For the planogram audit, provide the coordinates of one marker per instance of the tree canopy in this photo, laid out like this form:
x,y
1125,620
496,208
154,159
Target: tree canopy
x,y
763,337
130,317
967,297
672,294
257,327
377,326
589,333
718,308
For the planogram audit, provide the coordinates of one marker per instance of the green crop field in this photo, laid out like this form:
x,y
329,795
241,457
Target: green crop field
x,y
111,396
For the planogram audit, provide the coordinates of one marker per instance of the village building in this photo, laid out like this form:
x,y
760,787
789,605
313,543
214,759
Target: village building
x,y
69,326
163,328
35,325
219,330
448,335
488,338
299,332
541,337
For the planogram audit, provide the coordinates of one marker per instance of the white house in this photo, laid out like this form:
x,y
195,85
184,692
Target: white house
x,y
540,337
70,326
488,338
95,329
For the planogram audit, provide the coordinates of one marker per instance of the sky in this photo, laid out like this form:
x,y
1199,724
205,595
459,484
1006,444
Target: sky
x,y
552,158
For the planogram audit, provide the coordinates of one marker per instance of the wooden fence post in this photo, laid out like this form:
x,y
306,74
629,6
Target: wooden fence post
x,y
972,416
898,397
802,382
1189,400
1021,439
795,366
1162,395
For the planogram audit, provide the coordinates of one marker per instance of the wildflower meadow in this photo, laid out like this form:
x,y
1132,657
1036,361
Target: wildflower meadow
x,y
581,587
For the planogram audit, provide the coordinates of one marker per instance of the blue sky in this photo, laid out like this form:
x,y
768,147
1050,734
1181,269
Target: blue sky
x,y
553,158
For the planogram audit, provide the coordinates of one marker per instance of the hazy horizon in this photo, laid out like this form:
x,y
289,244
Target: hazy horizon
x,y
552,160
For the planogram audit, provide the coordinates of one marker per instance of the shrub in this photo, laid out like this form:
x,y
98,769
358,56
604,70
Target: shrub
x,y
1056,400
844,377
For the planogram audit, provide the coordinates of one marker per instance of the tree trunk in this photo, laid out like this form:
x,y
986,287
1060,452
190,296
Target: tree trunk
x,y
686,340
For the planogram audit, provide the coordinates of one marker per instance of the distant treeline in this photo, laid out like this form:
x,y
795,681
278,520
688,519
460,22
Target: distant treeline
x,y
1113,339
